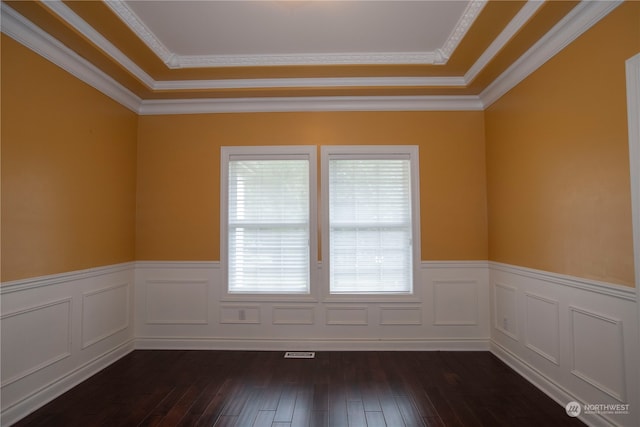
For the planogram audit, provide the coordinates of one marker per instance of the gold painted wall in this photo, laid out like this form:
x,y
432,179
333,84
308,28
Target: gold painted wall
x,y
179,173
557,159
68,171
554,171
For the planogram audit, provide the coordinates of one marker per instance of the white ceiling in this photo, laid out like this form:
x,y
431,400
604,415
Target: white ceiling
x,y
299,32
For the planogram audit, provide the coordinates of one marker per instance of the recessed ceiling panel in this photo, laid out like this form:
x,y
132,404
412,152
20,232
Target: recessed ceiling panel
x,y
156,50
275,32
296,27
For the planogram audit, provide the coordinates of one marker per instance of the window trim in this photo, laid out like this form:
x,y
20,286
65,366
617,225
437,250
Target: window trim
x,y
380,152
229,153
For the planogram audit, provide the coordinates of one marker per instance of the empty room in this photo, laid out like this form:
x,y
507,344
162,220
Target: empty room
x,y
338,213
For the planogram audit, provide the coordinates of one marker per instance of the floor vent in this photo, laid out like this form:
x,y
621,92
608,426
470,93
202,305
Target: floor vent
x,y
300,355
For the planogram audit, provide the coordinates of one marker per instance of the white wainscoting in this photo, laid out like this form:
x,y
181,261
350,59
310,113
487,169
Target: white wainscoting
x,y
575,339
458,320
59,330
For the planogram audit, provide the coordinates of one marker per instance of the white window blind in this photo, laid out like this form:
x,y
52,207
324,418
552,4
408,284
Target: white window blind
x,y
268,225
370,224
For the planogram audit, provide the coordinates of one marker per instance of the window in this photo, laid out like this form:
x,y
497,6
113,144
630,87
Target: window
x,y
267,235
370,216
370,229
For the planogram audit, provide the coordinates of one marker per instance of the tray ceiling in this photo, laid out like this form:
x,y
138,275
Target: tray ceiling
x,y
170,50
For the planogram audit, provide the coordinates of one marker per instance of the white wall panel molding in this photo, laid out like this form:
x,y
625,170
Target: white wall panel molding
x,y
181,301
347,315
58,330
577,339
535,376
54,279
240,314
400,315
105,312
455,302
605,373
50,342
505,310
604,288
34,397
542,326
293,315
258,322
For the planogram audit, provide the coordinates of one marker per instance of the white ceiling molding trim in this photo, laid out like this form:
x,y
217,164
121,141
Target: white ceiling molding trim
x,y
71,18
174,61
325,82
580,19
390,58
29,35
469,15
136,25
316,103
518,21
131,19
79,24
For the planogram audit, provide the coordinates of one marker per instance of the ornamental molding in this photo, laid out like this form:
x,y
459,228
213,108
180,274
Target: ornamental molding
x,y
579,20
174,61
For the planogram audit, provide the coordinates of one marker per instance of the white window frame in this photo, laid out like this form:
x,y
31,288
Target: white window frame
x,y
380,152
263,153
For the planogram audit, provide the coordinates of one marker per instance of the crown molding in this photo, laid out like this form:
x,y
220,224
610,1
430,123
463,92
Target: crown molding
x,y
136,25
356,58
512,28
325,82
573,25
316,103
76,22
29,35
174,61
467,19
580,19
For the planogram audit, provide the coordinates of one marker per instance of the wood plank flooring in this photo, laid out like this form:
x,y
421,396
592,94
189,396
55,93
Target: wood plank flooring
x,y
243,388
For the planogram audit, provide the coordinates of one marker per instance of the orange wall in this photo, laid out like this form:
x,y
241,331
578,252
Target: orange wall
x,y
179,177
557,160
554,171
68,171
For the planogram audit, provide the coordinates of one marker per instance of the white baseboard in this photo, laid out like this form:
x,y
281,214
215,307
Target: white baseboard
x,y
59,330
573,338
47,393
197,343
545,384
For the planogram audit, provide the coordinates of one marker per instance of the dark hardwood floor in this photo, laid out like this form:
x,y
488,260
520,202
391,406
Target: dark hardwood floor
x,y
243,388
